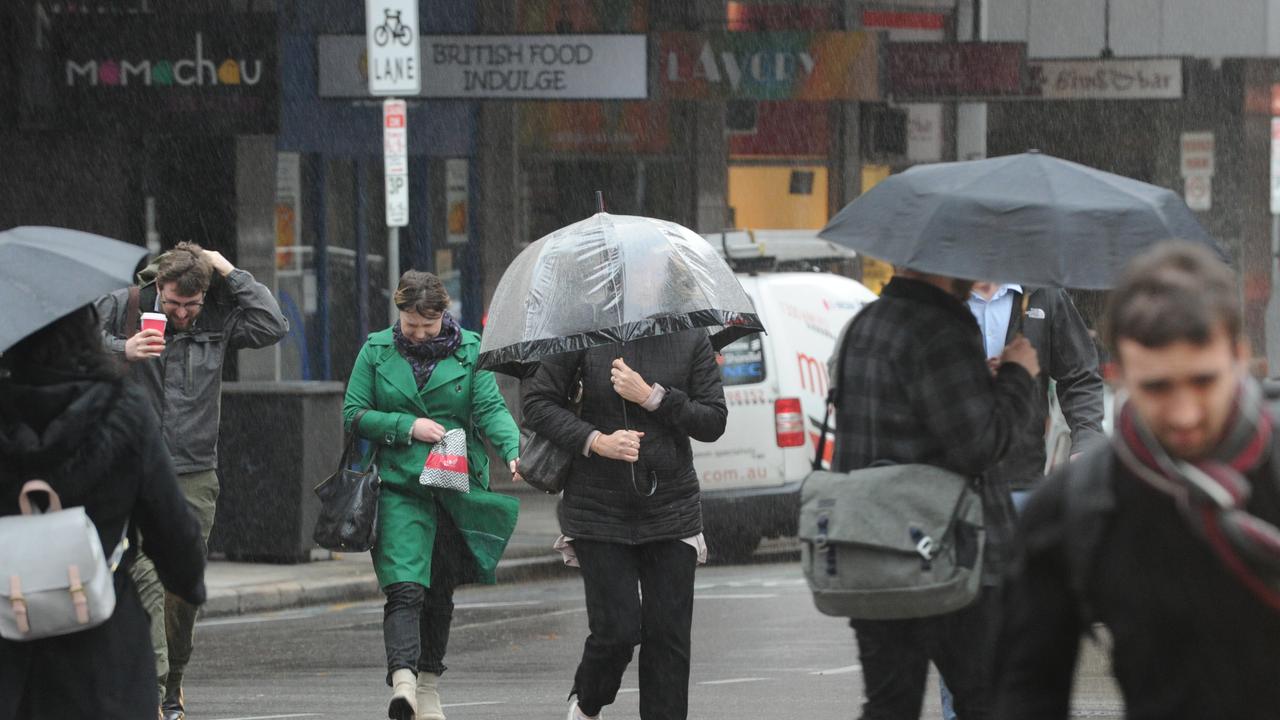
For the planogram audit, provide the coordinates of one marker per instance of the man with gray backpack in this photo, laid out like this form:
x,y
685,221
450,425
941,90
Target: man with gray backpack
x,y
1170,535
175,332
920,415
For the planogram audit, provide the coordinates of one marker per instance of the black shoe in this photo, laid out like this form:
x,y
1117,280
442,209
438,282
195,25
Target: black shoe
x,y
400,709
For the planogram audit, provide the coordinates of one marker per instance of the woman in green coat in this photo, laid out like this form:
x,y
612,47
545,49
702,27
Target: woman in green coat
x,y
415,381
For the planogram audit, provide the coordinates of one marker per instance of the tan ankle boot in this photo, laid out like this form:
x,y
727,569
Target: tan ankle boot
x,y
404,704
429,697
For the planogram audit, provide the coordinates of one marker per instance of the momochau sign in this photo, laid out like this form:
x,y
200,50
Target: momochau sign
x,y
185,73
195,68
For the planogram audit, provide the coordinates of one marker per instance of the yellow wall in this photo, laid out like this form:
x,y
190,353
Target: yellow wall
x,y
875,273
761,198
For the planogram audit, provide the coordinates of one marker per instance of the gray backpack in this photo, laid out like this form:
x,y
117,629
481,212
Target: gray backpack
x,y
54,577
889,542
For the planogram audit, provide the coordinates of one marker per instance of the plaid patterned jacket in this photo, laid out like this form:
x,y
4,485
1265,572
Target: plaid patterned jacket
x,y
915,388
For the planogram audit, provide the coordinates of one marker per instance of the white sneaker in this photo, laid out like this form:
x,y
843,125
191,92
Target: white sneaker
x,y
576,714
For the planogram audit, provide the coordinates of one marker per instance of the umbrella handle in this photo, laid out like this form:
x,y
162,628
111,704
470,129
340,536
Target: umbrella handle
x,y
626,425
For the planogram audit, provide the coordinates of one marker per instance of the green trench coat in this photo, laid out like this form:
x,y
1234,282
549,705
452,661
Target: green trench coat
x,y
457,395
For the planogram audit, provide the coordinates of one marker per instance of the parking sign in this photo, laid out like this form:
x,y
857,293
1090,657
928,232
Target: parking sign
x,y
395,161
391,29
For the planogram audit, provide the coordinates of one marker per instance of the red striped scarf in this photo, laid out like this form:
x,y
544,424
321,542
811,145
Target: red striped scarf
x,y
1212,493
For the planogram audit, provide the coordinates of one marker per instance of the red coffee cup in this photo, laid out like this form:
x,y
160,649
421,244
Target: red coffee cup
x,y
154,321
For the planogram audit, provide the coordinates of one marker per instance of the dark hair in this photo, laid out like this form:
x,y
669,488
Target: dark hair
x,y
69,348
185,265
1175,292
421,293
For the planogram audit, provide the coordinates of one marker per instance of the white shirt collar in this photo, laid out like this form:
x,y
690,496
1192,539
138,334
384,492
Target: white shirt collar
x,y
1000,292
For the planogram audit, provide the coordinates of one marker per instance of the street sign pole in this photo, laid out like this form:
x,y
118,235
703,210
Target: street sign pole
x,y
395,165
394,61
393,269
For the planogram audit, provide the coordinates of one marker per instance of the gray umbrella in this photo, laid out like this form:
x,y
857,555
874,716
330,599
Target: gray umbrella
x,y
47,272
1029,218
611,279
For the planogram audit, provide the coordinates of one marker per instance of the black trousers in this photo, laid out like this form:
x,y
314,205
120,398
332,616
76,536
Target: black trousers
x,y
416,619
637,595
895,657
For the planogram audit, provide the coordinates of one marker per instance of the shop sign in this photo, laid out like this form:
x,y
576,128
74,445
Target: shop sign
x,y
188,73
511,67
768,66
930,70
557,67
907,25
595,127
1155,79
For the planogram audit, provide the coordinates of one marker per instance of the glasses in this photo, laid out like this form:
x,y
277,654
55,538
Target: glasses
x,y
188,306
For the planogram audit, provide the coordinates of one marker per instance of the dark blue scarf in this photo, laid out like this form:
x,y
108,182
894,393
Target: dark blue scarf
x,y
424,356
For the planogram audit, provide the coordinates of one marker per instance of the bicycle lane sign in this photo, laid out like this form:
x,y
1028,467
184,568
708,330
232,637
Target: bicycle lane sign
x,y
392,34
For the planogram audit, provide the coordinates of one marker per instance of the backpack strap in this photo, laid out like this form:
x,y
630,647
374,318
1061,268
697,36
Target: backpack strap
x,y
132,313
833,395
1089,503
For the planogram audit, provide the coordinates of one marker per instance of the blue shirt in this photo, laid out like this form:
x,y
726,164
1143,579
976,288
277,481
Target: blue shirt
x,y
993,316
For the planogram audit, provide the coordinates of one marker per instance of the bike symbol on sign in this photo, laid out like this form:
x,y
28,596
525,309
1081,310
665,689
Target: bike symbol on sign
x,y
391,27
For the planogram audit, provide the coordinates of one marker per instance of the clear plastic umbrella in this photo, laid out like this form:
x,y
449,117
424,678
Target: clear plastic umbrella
x,y
611,279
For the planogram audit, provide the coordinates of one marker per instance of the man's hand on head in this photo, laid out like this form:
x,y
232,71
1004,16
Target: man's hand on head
x,y
219,263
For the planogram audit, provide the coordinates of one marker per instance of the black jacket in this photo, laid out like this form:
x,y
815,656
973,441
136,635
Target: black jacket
x,y
600,502
1188,640
1068,356
99,445
915,388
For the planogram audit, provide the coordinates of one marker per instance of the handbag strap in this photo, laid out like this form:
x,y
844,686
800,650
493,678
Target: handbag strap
x,y
350,445
833,394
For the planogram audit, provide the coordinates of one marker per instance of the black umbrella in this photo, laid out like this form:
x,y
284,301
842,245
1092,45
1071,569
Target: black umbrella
x,y
1030,218
611,279
47,272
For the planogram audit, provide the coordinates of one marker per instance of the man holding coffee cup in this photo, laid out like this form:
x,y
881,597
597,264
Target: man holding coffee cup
x,y
175,337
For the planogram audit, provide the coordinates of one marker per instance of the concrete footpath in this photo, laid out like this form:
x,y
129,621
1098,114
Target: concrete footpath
x,y
235,587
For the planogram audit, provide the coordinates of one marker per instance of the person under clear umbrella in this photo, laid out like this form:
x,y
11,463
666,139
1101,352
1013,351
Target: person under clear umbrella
x,y
67,417
631,514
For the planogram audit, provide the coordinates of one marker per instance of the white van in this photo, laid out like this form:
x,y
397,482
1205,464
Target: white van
x,y
775,385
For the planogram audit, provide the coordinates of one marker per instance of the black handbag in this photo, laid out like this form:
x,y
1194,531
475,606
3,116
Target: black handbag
x,y
348,519
544,465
